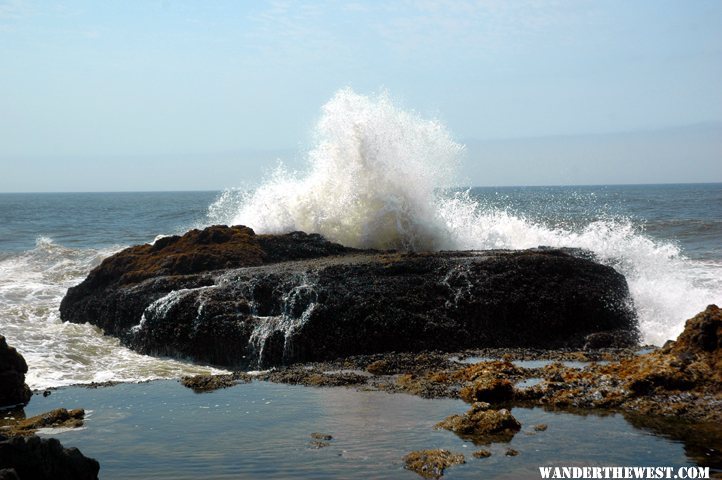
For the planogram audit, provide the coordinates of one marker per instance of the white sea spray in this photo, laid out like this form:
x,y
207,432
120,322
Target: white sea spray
x,y
58,353
379,177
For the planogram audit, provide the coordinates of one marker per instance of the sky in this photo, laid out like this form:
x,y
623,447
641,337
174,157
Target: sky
x,y
180,95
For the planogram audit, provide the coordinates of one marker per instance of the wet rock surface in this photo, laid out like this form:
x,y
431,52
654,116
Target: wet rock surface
x,y
432,463
23,455
116,293
58,418
683,379
208,383
35,458
602,381
13,390
482,424
226,296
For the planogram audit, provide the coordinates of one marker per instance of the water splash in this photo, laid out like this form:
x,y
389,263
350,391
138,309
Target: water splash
x,y
297,298
667,288
379,177
372,179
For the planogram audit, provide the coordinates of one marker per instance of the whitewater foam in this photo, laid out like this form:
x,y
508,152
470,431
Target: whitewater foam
x,y
32,284
379,177
372,179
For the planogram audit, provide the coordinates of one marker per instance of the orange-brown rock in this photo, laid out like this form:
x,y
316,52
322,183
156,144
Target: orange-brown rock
x,y
432,463
58,418
488,381
692,362
482,424
208,382
487,389
682,379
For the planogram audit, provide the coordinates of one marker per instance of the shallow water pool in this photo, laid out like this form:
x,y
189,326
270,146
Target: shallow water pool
x,y
263,430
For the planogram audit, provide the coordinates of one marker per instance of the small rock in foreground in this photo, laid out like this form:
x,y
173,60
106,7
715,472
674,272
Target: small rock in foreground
x,y
432,463
58,418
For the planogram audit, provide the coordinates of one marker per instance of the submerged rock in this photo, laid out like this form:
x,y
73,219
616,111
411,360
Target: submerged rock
x,y
13,390
226,296
35,458
482,453
58,418
320,440
432,463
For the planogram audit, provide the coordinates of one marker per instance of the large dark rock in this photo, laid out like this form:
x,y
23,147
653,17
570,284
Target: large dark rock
x,y
35,458
113,296
13,390
229,297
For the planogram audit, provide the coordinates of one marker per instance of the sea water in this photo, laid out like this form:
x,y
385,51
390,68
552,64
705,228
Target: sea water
x,y
162,430
378,176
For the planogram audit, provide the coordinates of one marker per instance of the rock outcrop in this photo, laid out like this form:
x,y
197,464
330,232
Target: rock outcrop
x,y
13,390
432,463
682,379
483,424
226,296
58,418
35,458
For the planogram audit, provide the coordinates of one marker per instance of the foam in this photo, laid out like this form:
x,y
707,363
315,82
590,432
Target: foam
x,y
32,284
379,177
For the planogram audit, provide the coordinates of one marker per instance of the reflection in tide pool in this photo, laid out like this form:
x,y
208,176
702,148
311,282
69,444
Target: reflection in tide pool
x,y
262,430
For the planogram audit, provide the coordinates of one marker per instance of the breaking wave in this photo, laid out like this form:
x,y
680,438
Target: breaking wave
x,y
32,284
381,177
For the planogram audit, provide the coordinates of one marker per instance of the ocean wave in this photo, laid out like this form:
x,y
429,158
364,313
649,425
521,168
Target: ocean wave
x,y
32,284
379,177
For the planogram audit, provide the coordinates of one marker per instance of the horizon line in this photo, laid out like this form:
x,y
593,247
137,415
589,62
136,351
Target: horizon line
x,y
447,188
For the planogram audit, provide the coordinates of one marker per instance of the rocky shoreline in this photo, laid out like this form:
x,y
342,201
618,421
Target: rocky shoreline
x,y
24,455
543,327
674,391
680,380
681,397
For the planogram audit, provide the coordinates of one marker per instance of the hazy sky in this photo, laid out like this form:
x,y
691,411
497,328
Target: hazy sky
x,y
141,95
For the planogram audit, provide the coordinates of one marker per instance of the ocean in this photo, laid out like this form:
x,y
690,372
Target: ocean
x,y
666,240
377,176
